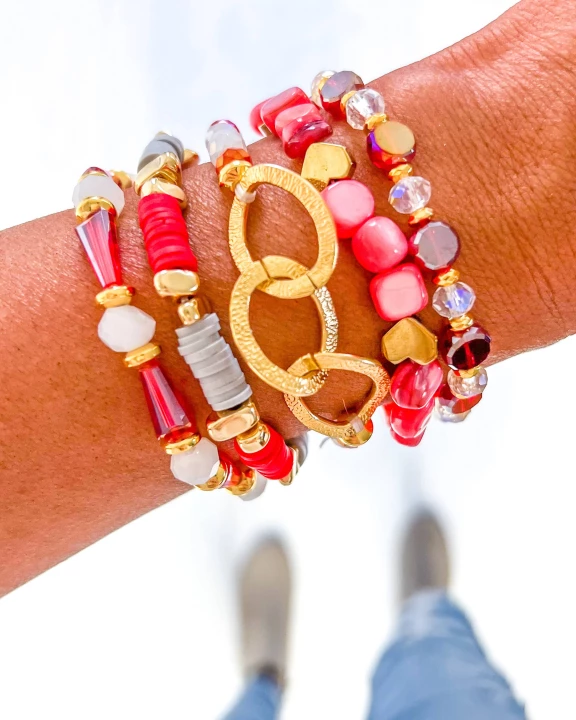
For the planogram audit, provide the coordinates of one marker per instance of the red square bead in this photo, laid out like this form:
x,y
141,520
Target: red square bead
x,y
275,105
399,293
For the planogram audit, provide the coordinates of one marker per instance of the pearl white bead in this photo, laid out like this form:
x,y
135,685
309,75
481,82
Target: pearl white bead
x,y
196,466
99,186
126,328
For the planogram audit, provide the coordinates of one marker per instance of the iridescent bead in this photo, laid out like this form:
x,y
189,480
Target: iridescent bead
x,y
317,84
334,89
435,246
410,194
225,143
390,144
362,105
464,349
467,387
455,300
447,404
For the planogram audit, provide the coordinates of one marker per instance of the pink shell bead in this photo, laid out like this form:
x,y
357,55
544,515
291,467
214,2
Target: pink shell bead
x,y
306,113
379,244
399,293
351,204
414,385
275,105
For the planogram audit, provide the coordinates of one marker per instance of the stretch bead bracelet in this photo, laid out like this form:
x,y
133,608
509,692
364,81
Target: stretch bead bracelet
x,y
206,352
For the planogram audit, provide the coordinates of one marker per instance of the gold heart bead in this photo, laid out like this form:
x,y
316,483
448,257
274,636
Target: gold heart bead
x,y
324,162
409,339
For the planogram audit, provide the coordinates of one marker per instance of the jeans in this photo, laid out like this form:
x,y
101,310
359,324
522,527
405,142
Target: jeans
x,y
434,669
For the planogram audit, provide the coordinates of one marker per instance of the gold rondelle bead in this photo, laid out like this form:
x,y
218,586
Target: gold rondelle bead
x,y
461,323
163,187
115,296
375,120
227,424
401,171
421,215
231,174
121,178
216,481
193,309
469,373
165,167
361,437
448,278
90,205
245,484
345,98
176,283
191,157
180,446
254,439
142,355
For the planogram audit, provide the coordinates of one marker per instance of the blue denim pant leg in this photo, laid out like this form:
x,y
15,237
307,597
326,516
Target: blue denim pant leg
x,y
260,701
435,669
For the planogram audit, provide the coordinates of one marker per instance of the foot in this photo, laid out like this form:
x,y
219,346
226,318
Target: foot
x,y
425,563
265,604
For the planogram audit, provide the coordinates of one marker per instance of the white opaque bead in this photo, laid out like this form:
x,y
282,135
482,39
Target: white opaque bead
x,y
467,387
221,136
410,194
243,195
126,328
256,490
197,465
317,83
99,186
362,105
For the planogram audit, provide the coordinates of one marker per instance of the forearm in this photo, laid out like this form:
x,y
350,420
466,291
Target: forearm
x,y
492,121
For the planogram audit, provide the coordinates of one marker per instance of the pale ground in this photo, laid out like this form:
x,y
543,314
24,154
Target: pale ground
x,y
142,624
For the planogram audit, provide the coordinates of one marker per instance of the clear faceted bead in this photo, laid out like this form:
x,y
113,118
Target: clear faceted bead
x,y
410,194
317,83
362,105
454,300
467,387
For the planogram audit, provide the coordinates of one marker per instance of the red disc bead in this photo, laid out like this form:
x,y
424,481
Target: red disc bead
x,y
274,461
165,234
414,385
351,203
435,246
464,349
379,244
275,105
334,89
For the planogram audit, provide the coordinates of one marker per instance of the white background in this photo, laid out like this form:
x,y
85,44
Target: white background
x,y
142,624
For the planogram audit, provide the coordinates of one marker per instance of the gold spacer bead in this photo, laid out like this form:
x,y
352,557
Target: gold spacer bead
x,y
231,174
115,296
227,424
191,157
121,178
461,323
165,167
176,283
216,481
375,120
163,187
345,98
324,162
289,479
448,278
361,437
469,373
142,355
421,215
192,310
255,439
245,484
401,171
90,205
183,445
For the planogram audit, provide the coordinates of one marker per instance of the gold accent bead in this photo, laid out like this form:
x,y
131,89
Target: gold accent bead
x,y
163,187
227,424
448,278
421,215
345,98
244,485
192,310
461,323
90,205
469,373
265,130
216,481
165,167
400,171
142,355
93,171
254,439
289,479
231,174
121,178
375,120
176,283
409,339
115,296
324,162
180,446
361,437
191,157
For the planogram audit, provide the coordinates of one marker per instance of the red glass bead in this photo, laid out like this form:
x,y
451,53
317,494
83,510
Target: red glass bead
x,y
351,203
410,423
98,236
335,88
275,105
306,113
435,246
379,244
256,117
166,409
399,293
464,349
274,461
384,159
409,442
299,135
414,385
456,405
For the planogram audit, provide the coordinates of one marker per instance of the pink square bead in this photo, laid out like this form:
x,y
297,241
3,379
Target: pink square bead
x,y
379,244
275,105
351,203
399,293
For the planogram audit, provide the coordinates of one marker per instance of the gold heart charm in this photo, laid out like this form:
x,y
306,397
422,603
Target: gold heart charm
x,y
409,339
324,162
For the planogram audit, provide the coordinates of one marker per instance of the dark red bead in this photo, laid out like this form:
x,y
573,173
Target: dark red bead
x,y
275,105
299,135
435,246
410,423
99,239
335,88
464,349
456,405
383,159
414,385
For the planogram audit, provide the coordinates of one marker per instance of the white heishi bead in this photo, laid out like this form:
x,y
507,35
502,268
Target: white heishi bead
x,y
99,186
223,135
126,328
362,105
315,89
410,194
256,490
243,195
464,387
196,466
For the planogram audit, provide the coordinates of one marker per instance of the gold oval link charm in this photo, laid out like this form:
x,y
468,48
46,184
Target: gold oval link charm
x,y
276,283
251,279
340,361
